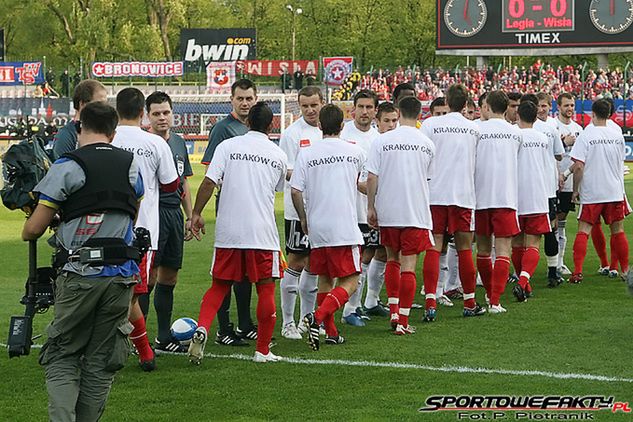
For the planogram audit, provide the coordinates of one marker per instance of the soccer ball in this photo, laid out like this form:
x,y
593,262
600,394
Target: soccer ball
x,y
182,329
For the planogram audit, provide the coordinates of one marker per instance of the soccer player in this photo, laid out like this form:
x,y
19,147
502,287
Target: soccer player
x,y
470,111
85,92
386,120
297,278
513,106
361,132
174,228
452,193
398,203
569,132
598,156
533,205
243,97
547,125
252,169
439,107
405,89
483,114
326,178
156,164
496,192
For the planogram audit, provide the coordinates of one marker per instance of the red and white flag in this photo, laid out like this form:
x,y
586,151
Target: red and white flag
x,y
220,76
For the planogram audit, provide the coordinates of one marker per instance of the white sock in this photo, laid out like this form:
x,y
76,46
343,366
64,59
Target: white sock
x,y
453,273
443,278
289,287
307,292
375,280
354,299
562,241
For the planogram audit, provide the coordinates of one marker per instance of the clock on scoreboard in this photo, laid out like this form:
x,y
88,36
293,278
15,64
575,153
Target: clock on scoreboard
x,y
544,25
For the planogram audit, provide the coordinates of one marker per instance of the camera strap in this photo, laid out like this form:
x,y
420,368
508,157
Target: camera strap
x,y
98,252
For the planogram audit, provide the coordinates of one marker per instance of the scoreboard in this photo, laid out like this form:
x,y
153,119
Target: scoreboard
x,y
545,27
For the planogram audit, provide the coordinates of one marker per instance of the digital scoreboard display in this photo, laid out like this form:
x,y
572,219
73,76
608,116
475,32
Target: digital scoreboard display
x,y
498,27
537,15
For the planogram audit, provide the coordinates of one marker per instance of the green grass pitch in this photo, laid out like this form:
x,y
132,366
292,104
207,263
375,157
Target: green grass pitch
x,y
581,329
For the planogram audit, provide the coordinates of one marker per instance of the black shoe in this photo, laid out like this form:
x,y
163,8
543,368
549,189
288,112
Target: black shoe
x,y
148,365
335,340
250,334
170,347
478,310
553,282
313,331
519,293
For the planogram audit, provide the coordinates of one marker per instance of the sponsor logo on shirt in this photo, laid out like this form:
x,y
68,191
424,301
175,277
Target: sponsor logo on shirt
x,y
407,147
334,159
455,130
254,158
499,137
605,141
304,143
141,152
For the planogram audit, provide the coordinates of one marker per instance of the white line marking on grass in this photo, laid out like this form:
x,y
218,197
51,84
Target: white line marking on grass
x,y
398,365
456,369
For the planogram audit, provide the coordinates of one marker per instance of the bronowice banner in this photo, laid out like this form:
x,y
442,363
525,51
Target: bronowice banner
x,y
277,67
137,69
337,69
21,73
203,46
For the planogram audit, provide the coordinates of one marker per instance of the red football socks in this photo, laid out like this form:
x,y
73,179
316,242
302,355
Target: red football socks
x,y
467,275
211,302
621,249
600,243
333,301
407,294
614,255
392,285
266,316
330,325
580,251
484,266
431,273
517,257
139,338
528,265
499,278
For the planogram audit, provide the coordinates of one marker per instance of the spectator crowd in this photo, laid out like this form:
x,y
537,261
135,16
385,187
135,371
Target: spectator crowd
x,y
589,84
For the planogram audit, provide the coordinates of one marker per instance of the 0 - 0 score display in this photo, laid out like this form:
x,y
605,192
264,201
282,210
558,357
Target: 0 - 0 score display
x,y
538,15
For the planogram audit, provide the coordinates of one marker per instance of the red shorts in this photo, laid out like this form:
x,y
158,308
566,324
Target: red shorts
x,y
141,287
408,240
448,219
502,222
535,224
335,261
611,212
235,264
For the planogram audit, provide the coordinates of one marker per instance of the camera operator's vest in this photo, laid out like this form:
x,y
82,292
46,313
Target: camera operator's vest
x,y
107,185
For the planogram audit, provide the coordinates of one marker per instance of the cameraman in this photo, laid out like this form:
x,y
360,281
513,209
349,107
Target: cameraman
x,y
96,189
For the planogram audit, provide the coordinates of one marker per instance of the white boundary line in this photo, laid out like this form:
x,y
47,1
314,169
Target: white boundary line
x,y
456,369
398,365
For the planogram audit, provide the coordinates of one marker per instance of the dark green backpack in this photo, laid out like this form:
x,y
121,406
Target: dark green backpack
x,y
23,166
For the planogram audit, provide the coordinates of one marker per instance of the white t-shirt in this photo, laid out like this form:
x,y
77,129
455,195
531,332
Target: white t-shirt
x,y
496,171
296,136
252,168
327,174
455,139
156,163
602,150
363,139
555,148
402,159
534,178
575,129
